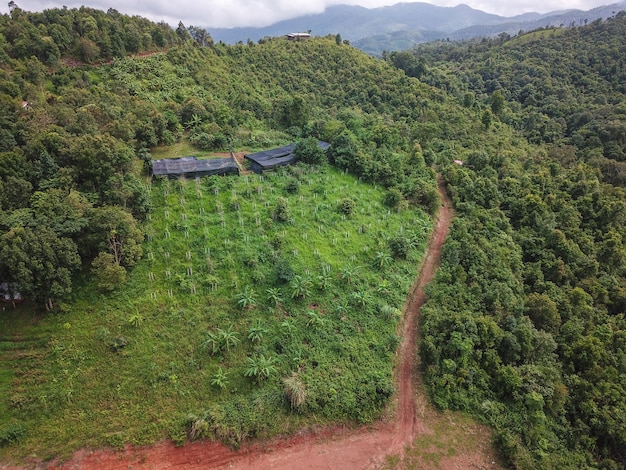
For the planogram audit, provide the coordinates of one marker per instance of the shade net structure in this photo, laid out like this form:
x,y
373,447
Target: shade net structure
x,y
281,156
191,167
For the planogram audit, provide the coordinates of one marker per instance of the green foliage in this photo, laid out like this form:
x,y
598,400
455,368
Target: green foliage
x,y
260,367
186,246
12,433
246,299
274,295
308,151
301,286
399,246
281,211
219,380
108,273
393,198
256,332
347,206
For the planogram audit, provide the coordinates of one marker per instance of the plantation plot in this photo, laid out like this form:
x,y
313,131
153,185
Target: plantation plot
x,y
262,304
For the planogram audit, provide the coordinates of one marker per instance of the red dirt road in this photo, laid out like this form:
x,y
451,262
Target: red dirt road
x,y
351,448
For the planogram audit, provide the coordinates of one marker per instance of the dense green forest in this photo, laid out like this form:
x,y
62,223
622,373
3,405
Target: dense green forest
x,y
139,288
525,325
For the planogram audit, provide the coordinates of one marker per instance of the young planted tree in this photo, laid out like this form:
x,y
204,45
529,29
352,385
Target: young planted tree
x,y
219,379
256,332
274,296
228,338
260,367
300,287
247,298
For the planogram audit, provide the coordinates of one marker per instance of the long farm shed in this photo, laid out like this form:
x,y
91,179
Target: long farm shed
x,y
191,167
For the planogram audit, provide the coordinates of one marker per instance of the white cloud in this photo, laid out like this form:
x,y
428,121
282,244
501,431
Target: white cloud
x,y
231,13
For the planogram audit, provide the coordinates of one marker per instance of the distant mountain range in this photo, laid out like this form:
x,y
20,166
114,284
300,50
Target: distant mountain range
x,y
404,25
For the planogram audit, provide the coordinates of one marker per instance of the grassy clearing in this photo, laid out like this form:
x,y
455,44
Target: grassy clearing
x,y
182,148
242,320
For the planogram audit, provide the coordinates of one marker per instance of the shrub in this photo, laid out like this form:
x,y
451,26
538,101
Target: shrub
x,y
347,206
308,151
292,186
284,271
118,343
281,211
12,433
393,198
399,246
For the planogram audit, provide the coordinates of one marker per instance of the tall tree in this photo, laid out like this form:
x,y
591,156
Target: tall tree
x,y
39,262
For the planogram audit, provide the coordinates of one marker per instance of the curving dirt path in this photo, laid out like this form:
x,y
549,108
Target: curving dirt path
x,y
340,447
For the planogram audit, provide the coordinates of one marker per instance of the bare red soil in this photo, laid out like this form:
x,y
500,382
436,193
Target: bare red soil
x,y
383,444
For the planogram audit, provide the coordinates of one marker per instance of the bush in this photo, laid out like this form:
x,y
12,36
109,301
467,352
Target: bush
x,y
284,271
292,186
281,211
295,390
347,206
399,246
12,433
308,151
393,198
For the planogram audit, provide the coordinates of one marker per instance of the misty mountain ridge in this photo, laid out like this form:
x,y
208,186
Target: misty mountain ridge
x,y
404,25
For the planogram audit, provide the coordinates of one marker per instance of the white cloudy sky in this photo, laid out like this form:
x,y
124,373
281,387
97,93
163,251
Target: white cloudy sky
x,y
231,13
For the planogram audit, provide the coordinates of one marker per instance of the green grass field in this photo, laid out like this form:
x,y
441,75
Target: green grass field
x,y
227,303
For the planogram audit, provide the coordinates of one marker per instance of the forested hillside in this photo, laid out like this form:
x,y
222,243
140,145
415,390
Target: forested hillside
x,y
238,307
221,308
525,325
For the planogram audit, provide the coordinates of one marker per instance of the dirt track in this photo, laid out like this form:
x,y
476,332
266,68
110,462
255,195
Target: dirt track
x,y
354,448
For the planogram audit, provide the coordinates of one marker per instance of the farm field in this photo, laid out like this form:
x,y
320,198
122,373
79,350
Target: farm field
x,y
262,304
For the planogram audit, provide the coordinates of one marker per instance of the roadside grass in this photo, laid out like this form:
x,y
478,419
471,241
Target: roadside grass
x,y
452,440
311,295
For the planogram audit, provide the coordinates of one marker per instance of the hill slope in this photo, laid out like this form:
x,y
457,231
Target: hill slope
x,y
544,274
230,308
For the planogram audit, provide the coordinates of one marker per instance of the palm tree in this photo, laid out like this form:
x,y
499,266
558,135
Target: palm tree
x,y
212,343
219,379
256,332
274,296
136,319
260,367
315,319
325,278
349,273
288,325
247,298
383,259
300,287
341,308
228,338
361,298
